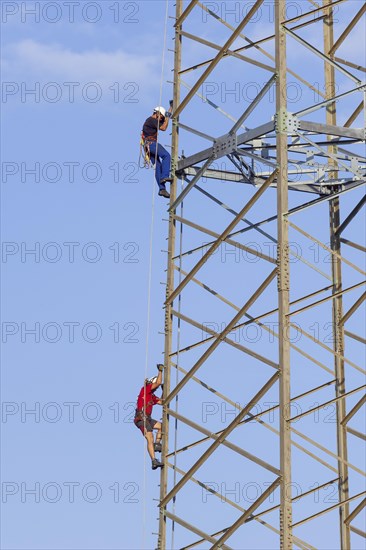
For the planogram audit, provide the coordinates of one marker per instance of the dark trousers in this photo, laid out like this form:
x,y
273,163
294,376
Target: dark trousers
x,y
162,158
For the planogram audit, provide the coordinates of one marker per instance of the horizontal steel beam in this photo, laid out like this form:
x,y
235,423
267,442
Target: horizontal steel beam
x,y
242,138
329,129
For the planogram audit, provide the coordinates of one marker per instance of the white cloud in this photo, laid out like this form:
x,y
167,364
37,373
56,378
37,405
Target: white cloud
x,y
31,59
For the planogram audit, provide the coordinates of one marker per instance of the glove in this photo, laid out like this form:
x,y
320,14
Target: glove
x,y
171,103
160,367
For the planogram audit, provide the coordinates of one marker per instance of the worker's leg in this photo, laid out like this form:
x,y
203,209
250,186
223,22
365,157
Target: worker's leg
x,y
157,427
157,444
165,162
150,444
156,160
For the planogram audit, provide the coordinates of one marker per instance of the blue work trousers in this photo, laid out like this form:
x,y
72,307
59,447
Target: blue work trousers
x,y
162,158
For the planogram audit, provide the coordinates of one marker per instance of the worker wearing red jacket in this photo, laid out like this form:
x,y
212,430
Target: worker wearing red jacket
x,y
143,420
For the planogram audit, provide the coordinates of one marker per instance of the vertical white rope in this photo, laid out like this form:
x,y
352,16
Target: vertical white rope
x,y
150,270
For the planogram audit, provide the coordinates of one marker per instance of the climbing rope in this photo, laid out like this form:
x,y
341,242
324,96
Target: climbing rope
x,y
150,271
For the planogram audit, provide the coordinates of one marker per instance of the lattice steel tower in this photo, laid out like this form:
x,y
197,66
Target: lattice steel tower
x,y
264,384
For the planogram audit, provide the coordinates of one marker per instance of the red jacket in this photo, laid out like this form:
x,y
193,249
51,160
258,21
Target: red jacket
x,y
146,399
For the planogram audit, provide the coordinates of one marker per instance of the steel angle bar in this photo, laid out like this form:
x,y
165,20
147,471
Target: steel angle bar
x,y
313,108
233,53
240,347
196,132
335,254
324,346
300,396
325,198
227,240
295,28
192,528
299,542
358,531
247,514
355,336
311,12
334,507
186,12
356,433
350,216
253,105
350,64
331,297
343,396
352,309
259,159
220,439
321,55
328,452
190,184
329,129
222,335
354,115
219,56
228,444
353,411
252,44
298,497
353,245
221,238
211,103
347,30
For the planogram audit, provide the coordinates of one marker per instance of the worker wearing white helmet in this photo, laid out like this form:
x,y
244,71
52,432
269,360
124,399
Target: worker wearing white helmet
x,y
158,154
143,421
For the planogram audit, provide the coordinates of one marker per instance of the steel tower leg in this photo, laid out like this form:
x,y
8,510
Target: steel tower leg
x,y
283,280
337,305
162,545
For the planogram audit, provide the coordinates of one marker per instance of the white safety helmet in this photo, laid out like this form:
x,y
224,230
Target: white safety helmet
x,y
160,110
151,380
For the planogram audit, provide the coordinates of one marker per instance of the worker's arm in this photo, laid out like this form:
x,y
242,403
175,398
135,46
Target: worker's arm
x,y
164,126
160,377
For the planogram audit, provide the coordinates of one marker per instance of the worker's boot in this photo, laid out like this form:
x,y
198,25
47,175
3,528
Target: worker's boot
x,y
157,447
164,193
166,180
155,463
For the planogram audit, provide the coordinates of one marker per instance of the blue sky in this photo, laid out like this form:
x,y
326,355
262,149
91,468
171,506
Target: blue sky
x,y
76,224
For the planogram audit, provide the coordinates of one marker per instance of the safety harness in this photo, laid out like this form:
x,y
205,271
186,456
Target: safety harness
x,y
145,142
